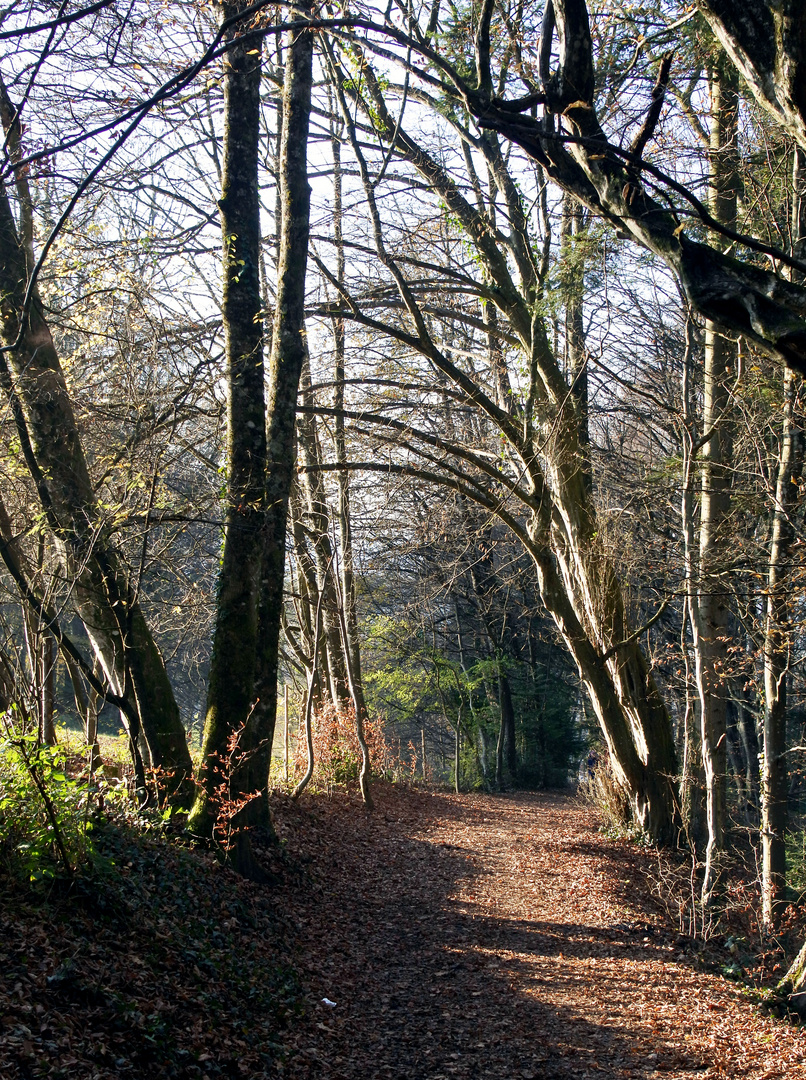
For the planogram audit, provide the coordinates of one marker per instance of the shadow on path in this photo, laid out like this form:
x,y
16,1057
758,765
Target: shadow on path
x,y
401,930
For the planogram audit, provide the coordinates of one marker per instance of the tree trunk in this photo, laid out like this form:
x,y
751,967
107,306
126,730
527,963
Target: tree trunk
x,y
348,598
47,659
708,602
628,706
318,528
507,754
575,355
232,749
765,41
793,985
32,377
777,623
777,644
287,357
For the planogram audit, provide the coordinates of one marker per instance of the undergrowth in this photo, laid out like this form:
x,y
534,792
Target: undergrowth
x,y
47,807
728,935
182,965
337,753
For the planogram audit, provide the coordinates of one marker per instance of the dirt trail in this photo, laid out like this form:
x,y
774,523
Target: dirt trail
x,y
499,937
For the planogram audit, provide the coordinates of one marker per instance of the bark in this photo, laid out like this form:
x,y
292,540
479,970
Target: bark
x,y
306,601
778,627
631,714
575,356
746,727
777,635
507,752
231,693
457,744
709,608
793,985
47,659
285,368
767,43
32,378
365,775
348,594
313,678
318,528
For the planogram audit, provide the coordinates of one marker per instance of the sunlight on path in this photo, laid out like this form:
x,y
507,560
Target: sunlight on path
x,y
493,937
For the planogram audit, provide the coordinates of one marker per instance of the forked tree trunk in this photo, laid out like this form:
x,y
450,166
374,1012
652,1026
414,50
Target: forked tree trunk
x,y
577,578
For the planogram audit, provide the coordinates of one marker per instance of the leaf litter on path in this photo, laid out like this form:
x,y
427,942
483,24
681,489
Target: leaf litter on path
x,y
441,937
482,936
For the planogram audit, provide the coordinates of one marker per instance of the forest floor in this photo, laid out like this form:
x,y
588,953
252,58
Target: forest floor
x,y
438,938
501,937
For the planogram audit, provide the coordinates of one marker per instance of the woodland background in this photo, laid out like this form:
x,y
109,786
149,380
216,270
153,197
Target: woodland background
x,y
436,370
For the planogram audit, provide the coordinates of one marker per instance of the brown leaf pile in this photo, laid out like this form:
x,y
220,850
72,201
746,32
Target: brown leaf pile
x,y
161,964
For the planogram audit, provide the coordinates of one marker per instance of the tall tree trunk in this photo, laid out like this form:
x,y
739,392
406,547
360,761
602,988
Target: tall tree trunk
x,y
285,368
710,609
318,528
348,598
777,621
230,743
575,355
31,376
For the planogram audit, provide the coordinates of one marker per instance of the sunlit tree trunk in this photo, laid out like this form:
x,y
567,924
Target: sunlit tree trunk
x,y
710,610
777,621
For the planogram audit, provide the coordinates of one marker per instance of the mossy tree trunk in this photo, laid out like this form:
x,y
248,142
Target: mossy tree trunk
x,y
285,368
793,985
233,741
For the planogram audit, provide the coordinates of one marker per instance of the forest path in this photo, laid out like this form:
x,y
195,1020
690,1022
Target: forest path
x,y
499,937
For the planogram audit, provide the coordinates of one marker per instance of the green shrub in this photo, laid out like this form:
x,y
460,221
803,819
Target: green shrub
x,y
45,819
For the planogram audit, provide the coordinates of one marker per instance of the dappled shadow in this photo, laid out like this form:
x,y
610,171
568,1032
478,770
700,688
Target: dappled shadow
x,y
428,983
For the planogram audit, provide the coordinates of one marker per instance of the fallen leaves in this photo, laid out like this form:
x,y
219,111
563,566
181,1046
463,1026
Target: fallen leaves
x,y
137,974
440,938
461,945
